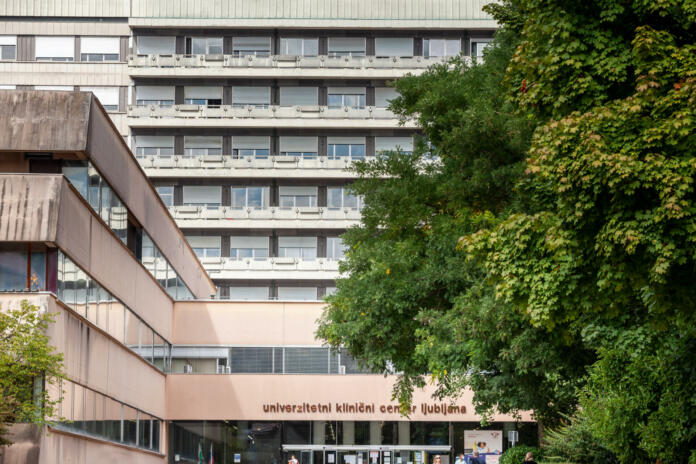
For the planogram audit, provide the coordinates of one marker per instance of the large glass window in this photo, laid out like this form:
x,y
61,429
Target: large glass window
x,y
441,47
107,96
346,147
154,145
335,249
346,46
59,48
203,95
351,97
305,147
100,48
255,147
14,260
257,97
202,145
248,293
255,46
394,46
478,46
205,246
8,47
156,45
296,197
204,45
340,197
166,193
158,95
249,247
299,46
297,247
250,197
206,196
387,144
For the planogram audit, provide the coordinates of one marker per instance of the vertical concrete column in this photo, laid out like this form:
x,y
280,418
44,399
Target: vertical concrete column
x,y
370,46
466,44
178,195
348,432
323,45
227,95
225,246
179,95
178,145
323,95
418,46
227,45
78,48
370,95
180,45
321,247
322,196
26,48
323,146
318,436
123,49
375,433
226,195
404,433
227,145
370,146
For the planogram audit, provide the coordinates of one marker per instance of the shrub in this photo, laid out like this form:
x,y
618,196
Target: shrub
x,y
516,454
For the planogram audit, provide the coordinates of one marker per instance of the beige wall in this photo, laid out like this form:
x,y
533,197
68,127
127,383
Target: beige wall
x,y
61,448
242,397
95,360
244,323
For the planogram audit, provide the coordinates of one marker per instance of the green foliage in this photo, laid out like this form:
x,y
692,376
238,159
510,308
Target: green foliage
x,y
574,442
25,358
516,454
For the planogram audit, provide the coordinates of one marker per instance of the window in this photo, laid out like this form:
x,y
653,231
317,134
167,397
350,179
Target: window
x,y
14,260
107,96
478,46
352,97
204,45
249,248
8,47
250,197
55,48
329,291
346,147
249,293
166,193
346,46
297,247
299,96
100,48
154,95
258,147
204,246
202,145
394,46
339,197
66,88
154,45
206,96
258,97
154,145
405,144
297,293
384,96
256,46
303,147
8,87
441,47
299,47
292,197
335,249
208,196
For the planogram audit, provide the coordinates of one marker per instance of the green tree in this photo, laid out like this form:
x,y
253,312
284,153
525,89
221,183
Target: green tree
x,y
26,361
407,304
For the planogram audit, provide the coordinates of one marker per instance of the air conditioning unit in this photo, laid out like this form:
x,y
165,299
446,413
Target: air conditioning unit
x,y
188,369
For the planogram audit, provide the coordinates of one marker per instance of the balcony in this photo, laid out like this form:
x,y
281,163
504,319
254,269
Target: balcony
x,y
271,268
274,217
225,166
271,117
278,66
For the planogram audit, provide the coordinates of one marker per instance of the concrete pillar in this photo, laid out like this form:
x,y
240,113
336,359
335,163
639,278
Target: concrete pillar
x,y
404,433
348,433
375,433
318,436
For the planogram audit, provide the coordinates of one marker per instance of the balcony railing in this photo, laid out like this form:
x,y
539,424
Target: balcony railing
x,y
271,112
294,268
229,165
275,213
282,61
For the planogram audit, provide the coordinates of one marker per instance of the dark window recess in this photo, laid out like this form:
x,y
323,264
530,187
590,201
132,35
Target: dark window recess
x,y
43,163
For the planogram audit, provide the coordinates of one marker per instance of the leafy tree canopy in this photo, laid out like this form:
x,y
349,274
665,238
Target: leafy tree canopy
x,y
25,359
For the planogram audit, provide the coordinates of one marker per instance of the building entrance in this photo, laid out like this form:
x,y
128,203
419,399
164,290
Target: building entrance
x,y
365,454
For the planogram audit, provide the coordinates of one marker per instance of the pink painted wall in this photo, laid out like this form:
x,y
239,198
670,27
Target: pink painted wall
x,y
242,397
244,323
60,448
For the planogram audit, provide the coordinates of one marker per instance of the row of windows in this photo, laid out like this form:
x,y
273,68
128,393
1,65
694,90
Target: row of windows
x,y
262,360
62,48
87,412
106,203
257,247
259,147
88,298
258,197
308,46
260,96
281,292
108,96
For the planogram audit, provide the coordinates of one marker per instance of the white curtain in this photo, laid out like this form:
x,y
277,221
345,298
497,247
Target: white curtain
x,y
107,45
55,47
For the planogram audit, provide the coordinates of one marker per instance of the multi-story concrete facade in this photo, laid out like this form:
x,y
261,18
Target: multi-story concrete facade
x,y
246,114
242,117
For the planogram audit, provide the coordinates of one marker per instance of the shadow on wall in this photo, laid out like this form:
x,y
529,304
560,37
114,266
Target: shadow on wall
x,y
26,444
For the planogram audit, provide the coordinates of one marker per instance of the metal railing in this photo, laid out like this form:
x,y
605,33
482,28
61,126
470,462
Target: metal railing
x,y
254,112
